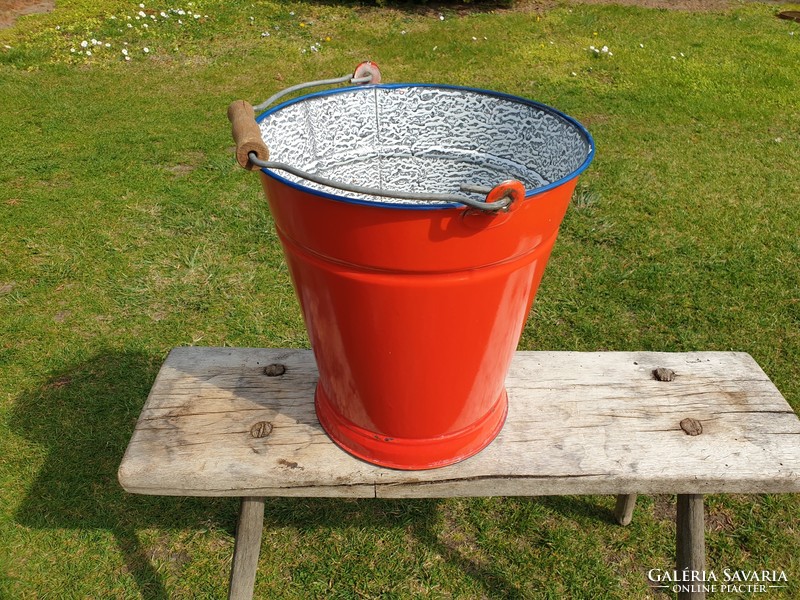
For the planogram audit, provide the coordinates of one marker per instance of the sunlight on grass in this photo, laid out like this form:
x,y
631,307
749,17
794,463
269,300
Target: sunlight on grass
x,y
126,229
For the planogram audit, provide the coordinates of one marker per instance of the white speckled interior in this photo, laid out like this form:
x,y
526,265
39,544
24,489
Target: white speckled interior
x,y
423,139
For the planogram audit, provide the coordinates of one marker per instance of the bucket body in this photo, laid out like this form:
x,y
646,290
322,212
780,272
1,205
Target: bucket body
x,y
414,310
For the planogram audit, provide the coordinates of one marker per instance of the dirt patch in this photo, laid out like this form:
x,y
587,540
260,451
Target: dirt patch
x,y
664,507
162,552
719,518
11,9
687,5
180,169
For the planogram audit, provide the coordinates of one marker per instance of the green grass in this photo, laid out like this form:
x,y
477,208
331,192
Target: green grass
x,y
126,229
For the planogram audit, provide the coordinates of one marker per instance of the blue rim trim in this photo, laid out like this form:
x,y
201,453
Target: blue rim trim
x,y
402,206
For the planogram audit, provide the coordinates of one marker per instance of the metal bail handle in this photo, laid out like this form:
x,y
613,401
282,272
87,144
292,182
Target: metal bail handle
x,y
252,153
246,132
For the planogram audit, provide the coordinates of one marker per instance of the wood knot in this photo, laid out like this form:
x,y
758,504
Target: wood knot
x,y
274,370
261,429
692,426
663,374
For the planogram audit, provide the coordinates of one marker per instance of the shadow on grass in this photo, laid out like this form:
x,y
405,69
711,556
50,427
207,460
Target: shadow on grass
x,y
85,416
421,518
578,508
422,7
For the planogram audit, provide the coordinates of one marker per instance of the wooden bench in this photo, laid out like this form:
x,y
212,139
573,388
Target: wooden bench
x,y
241,422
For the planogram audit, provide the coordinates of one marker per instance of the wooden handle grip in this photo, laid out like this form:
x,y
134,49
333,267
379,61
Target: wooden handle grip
x,y
246,134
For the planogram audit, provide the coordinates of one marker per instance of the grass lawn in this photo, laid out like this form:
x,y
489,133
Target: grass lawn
x,y
127,229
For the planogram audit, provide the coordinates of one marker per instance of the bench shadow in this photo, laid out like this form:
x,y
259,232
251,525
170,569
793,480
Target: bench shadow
x,y
577,508
433,8
84,416
421,518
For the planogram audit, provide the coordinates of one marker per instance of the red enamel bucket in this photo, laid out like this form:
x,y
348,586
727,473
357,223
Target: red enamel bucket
x,y
414,307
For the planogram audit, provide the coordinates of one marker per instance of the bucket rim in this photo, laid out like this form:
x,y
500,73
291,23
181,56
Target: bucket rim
x,y
378,203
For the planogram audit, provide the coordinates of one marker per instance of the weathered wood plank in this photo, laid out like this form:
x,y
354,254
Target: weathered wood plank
x,y
579,423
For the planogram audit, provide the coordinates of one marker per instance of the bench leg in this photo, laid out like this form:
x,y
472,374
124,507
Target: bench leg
x,y
691,545
623,511
246,549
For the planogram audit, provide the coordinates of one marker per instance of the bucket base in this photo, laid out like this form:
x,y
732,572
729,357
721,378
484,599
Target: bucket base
x,y
411,454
